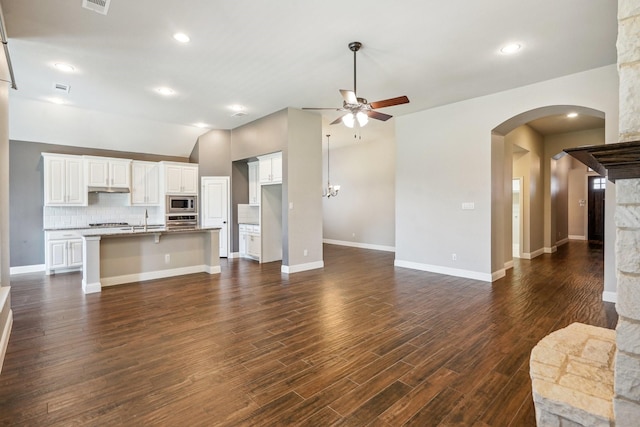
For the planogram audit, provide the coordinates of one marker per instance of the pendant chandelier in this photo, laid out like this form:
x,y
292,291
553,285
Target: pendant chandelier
x,y
331,190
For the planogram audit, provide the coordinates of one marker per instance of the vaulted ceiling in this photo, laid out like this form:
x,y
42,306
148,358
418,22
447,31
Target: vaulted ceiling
x,y
268,55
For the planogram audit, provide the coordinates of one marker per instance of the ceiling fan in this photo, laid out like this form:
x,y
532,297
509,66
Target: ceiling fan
x,y
359,109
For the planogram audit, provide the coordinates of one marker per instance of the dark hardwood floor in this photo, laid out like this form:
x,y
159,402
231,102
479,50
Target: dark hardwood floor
x,y
357,343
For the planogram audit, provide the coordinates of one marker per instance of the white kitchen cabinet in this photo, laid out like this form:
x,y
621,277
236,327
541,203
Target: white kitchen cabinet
x,y
250,241
254,183
107,172
271,168
64,183
63,251
242,234
180,178
254,245
145,186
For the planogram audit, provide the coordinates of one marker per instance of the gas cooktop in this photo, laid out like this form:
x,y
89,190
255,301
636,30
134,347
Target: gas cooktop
x,y
109,224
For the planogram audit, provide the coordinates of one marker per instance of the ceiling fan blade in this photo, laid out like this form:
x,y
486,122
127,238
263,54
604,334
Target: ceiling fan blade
x,y
390,102
338,120
378,116
349,96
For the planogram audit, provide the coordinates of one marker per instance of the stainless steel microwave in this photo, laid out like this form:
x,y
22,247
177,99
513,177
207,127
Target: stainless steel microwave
x,y
181,204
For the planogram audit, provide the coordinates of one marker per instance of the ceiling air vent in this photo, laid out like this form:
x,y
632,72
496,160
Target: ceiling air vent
x,y
239,114
100,6
61,87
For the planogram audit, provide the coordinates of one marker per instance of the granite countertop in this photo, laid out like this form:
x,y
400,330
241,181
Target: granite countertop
x,y
139,230
129,230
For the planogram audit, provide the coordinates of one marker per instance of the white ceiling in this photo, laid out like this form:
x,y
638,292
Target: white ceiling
x,y
268,55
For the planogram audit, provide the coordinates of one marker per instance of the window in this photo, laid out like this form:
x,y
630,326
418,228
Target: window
x,y
599,183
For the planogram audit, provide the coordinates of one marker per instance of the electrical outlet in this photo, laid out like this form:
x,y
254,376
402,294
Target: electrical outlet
x,y
306,252
454,257
167,258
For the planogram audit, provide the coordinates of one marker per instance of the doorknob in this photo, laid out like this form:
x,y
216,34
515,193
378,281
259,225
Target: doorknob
x,y
224,222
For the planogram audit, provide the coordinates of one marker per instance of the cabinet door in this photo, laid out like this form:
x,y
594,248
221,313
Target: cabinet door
x,y
119,173
254,245
190,180
243,243
276,168
139,183
57,251
173,179
74,177
74,253
254,184
97,172
265,170
153,184
54,181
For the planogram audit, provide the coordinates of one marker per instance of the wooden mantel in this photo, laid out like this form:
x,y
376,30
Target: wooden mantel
x,y
615,161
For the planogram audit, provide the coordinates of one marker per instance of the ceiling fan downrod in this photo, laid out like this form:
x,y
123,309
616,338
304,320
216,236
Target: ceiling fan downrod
x,y
354,47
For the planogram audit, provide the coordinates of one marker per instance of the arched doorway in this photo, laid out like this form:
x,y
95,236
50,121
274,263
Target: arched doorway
x,y
528,147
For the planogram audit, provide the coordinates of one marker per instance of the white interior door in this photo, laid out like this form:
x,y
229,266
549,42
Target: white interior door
x,y
516,220
215,208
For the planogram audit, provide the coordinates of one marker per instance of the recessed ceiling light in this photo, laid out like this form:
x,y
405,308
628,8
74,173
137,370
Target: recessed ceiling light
x,y
58,101
237,108
67,68
181,37
510,48
201,125
572,115
166,91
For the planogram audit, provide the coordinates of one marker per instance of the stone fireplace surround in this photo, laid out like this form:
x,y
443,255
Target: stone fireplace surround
x,y
587,376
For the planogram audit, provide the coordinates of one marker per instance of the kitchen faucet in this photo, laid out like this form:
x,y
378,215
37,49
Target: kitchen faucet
x,y
146,216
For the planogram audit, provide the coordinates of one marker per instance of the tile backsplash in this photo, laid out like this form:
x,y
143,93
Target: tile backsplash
x,y
103,207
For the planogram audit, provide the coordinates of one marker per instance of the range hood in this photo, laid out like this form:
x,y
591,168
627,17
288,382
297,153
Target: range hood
x,y
108,189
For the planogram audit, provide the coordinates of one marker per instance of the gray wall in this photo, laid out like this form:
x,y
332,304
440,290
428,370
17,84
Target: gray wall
x,y
365,170
4,188
27,194
297,135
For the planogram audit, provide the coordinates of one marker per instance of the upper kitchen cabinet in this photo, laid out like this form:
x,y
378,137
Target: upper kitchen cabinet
x,y
180,178
254,183
271,168
105,172
64,183
145,188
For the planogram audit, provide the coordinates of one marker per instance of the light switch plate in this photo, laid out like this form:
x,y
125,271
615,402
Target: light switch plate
x,y
468,206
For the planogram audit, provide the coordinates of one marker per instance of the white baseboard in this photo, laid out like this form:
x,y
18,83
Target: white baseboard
x,y
234,255
562,241
532,255
360,245
497,275
608,296
161,274
576,237
91,288
24,269
287,269
551,250
508,265
6,328
485,277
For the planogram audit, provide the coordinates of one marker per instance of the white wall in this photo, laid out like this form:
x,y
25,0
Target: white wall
x,y
444,158
363,213
68,125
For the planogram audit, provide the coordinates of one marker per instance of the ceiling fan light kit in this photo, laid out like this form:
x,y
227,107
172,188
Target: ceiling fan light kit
x,y
358,109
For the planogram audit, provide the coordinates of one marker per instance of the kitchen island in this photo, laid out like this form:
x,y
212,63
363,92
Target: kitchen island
x,y
138,254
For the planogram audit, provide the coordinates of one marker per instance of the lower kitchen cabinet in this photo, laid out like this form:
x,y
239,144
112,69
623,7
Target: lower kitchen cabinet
x,y
63,251
250,242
